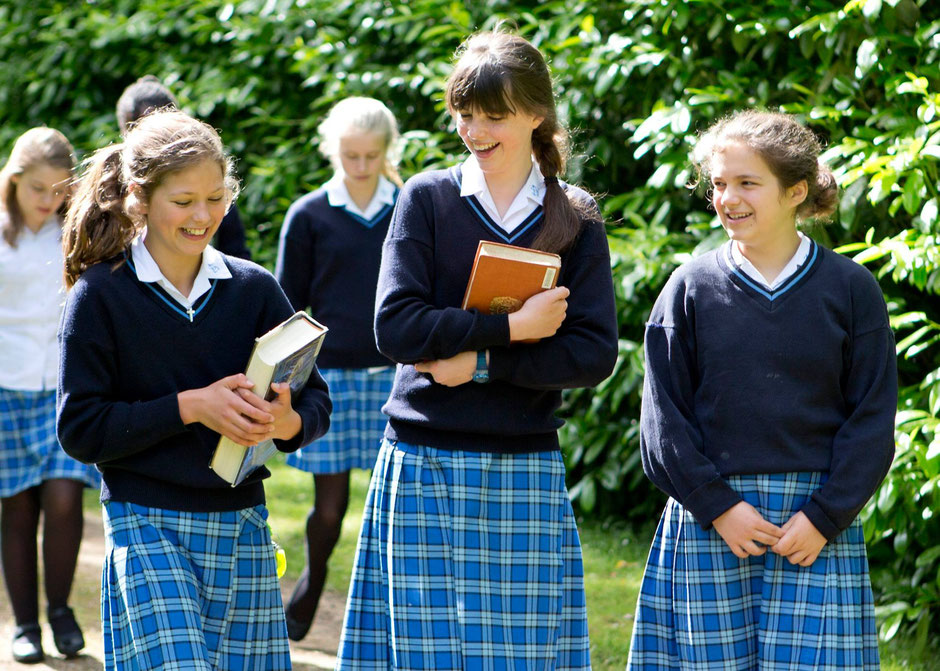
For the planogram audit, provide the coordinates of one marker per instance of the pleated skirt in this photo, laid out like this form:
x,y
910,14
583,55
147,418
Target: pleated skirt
x,y
356,423
702,608
30,454
182,590
466,561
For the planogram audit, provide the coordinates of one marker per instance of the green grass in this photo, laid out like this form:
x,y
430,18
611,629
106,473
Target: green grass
x,y
614,556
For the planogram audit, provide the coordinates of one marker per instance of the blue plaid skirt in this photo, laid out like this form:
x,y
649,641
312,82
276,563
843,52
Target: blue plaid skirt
x,y
29,451
183,590
702,608
467,561
356,423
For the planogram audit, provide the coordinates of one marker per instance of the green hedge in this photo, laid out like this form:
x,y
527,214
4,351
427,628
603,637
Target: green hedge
x,y
638,79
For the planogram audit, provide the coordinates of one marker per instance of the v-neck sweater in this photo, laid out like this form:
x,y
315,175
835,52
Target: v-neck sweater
x,y
328,260
426,262
744,380
127,350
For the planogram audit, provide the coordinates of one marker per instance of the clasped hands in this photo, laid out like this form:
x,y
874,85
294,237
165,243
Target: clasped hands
x,y
746,533
230,408
539,317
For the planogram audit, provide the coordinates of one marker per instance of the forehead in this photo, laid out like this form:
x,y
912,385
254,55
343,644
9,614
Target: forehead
x,y
43,173
203,176
736,159
361,142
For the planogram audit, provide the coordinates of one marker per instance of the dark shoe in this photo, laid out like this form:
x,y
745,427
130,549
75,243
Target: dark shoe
x,y
65,631
27,644
296,630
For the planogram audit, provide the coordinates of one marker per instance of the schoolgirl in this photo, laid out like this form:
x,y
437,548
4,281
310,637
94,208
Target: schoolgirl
x,y
36,476
768,417
328,261
469,555
156,329
148,94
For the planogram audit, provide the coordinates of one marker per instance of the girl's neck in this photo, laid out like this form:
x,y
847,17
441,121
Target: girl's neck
x,y
34,226
505,186
772,257
361,192
180,271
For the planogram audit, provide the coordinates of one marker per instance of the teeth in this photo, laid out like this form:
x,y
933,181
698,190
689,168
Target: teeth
x,y
485,147
195,231
736,216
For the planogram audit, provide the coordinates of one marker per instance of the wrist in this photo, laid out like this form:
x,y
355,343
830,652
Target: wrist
x,y
482,372
186,401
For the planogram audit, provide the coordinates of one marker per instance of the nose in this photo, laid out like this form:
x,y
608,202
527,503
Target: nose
x,y
361,164
201,212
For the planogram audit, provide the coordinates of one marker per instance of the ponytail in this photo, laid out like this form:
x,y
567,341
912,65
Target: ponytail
x,y
564,217
97,226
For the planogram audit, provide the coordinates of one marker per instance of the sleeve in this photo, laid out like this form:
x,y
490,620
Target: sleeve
x,y
863,447
230,238
409,327
294,267
671,443
93,426
583,352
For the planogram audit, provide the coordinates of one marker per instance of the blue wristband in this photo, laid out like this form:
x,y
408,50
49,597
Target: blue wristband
x,y
482,373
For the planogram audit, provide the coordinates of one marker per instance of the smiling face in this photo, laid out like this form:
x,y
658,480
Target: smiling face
x,y
753,207
183,213
502,144
361,156
40,191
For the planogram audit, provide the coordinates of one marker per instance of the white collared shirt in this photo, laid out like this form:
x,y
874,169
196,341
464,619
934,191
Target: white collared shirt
x,y
530,196
31,300
802,252
338,196
212,267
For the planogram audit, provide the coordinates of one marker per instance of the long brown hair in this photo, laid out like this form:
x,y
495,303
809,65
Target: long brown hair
x,y
500,73
101,222
35,147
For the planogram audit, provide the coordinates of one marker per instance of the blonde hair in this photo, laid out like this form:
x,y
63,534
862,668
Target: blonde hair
x,y
364,115
35,147
100,224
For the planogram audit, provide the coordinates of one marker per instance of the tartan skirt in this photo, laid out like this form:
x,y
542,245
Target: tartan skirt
x,y
466,561
183,590
30,454
701,608
356,423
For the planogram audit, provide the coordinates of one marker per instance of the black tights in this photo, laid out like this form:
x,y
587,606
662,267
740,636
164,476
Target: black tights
x,y
324,523
60,502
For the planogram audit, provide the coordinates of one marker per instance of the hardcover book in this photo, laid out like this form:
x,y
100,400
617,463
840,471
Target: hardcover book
x,y
505,276
286,353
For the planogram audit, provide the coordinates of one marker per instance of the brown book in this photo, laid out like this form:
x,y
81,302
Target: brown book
x,y
505,276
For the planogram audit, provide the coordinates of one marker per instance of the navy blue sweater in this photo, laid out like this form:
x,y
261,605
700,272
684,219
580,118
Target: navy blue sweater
x,y
328,260
741,380
426,262
126,353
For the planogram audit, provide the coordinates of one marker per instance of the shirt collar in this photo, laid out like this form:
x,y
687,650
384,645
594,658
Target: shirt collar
x,y
801,254
338,195
473,182
211,267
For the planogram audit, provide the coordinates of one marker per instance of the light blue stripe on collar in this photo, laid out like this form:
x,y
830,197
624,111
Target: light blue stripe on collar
x,y
783,288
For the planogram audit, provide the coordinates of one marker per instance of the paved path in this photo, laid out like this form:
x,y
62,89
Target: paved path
x,y
314,653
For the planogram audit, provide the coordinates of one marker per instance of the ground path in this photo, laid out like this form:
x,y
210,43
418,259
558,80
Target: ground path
x,y
314,653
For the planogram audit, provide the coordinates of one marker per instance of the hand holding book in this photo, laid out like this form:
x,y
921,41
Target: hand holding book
x,y
222,407
540,316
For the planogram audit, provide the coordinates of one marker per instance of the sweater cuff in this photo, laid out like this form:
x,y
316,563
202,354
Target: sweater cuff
x,y
493,331
821,521
710,500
